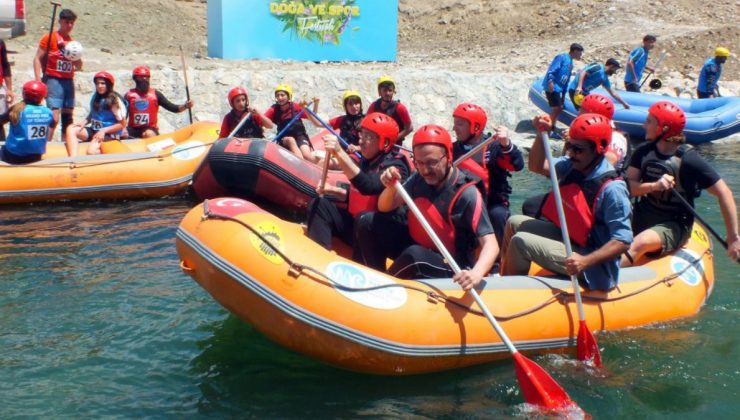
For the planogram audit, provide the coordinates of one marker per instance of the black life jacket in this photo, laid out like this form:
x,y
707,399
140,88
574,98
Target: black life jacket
x,y
391,111
654,167
349,128
295,130
248,130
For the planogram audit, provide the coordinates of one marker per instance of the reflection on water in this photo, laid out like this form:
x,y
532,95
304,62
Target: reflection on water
x,y
96,319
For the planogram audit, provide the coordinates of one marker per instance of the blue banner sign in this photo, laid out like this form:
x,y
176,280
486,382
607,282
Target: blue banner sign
x,y
308,30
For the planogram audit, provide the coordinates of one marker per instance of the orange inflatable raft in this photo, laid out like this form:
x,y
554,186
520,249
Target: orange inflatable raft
x,y
316,302
142,168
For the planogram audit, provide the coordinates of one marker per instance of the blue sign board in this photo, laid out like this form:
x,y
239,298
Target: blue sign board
x,y
308,30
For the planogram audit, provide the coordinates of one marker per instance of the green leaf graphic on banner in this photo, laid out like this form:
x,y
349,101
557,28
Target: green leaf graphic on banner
x,y
320,21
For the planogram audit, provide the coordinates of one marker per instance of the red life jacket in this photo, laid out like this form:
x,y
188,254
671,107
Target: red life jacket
x,y
142,109
579,203
56,65
476,164
359,202
438,212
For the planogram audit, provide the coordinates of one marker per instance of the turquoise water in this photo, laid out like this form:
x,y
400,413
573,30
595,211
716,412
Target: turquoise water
x,y
96,319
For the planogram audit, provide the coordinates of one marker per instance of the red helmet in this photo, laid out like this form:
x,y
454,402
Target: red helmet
x,y
34,91
233,93
671,118
474,115
105,76
595,103
384,127
142,71
433,134
594,128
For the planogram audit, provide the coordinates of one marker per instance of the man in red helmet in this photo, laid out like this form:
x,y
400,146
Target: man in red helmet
x,y
143,106
619,148
238,99
453,206
378,134
493,165
598,214
665,163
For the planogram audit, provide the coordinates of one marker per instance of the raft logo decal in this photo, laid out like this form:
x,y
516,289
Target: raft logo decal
x,y
268,231
189,150
322,21
366,287
683,259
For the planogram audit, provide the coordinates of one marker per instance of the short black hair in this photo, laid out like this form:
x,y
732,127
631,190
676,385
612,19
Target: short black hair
x,y
649,38
67,14
576,47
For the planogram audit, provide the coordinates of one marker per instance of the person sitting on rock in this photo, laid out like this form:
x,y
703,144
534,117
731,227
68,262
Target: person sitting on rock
x,y
591,77
349,123
282,112
143,106
598,214
493,165
30,126
394,109
107,117
662,168
238,99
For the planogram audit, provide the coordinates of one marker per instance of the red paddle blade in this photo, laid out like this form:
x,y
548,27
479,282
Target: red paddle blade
x,y
538,387
587,349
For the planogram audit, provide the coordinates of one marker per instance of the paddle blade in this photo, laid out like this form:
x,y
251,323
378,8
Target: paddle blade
x,y
538,387
587,349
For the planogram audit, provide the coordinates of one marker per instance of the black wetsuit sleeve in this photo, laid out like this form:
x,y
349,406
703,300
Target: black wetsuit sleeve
x,y
165,103
368,183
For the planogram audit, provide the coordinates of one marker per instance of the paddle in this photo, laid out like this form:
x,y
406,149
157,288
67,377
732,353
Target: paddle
x,y
655,68
322,183
474,150
537,386
342,141
187,89
587,348
691,209
45,61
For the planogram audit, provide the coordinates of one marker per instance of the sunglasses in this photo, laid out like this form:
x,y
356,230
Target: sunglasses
x,y
574,148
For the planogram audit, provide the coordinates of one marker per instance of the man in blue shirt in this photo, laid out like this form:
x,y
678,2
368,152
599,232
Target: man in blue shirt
x,y
591,77
556,81
637,62
598,238
711,71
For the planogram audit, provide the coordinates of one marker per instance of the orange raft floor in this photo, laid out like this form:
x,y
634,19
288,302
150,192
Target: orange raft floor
x,y
323,305
141,168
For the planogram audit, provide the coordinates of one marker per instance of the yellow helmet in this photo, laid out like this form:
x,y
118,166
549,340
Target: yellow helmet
x,y
386,79
284,87
578,99
721,52
349,94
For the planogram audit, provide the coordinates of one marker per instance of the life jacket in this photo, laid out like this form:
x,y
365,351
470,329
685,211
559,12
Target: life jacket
x,y
103,116
579,203
142,109
654,167
359,202
349,128
249,130
56,65
438,212
391,111
29,136
297,129
476,164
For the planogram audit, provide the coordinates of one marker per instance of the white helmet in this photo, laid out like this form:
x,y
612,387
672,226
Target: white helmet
x,y
73,51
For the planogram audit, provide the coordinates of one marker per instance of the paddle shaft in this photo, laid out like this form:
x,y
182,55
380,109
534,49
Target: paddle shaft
x,y
187,88
290,123
690,208
655,68
48,40
453,264
344,143
474,150
561,217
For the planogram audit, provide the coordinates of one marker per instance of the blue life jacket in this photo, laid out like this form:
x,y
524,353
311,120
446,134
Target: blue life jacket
x,y
639,59
103,116
30,135
595,77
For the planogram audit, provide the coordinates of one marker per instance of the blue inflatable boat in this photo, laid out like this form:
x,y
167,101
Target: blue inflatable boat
x,y
707,119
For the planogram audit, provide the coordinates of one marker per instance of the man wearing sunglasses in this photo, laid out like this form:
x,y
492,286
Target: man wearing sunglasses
x,y
596,205
454,207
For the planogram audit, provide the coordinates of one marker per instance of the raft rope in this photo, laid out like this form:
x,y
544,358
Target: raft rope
x,y
107,162
295,269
